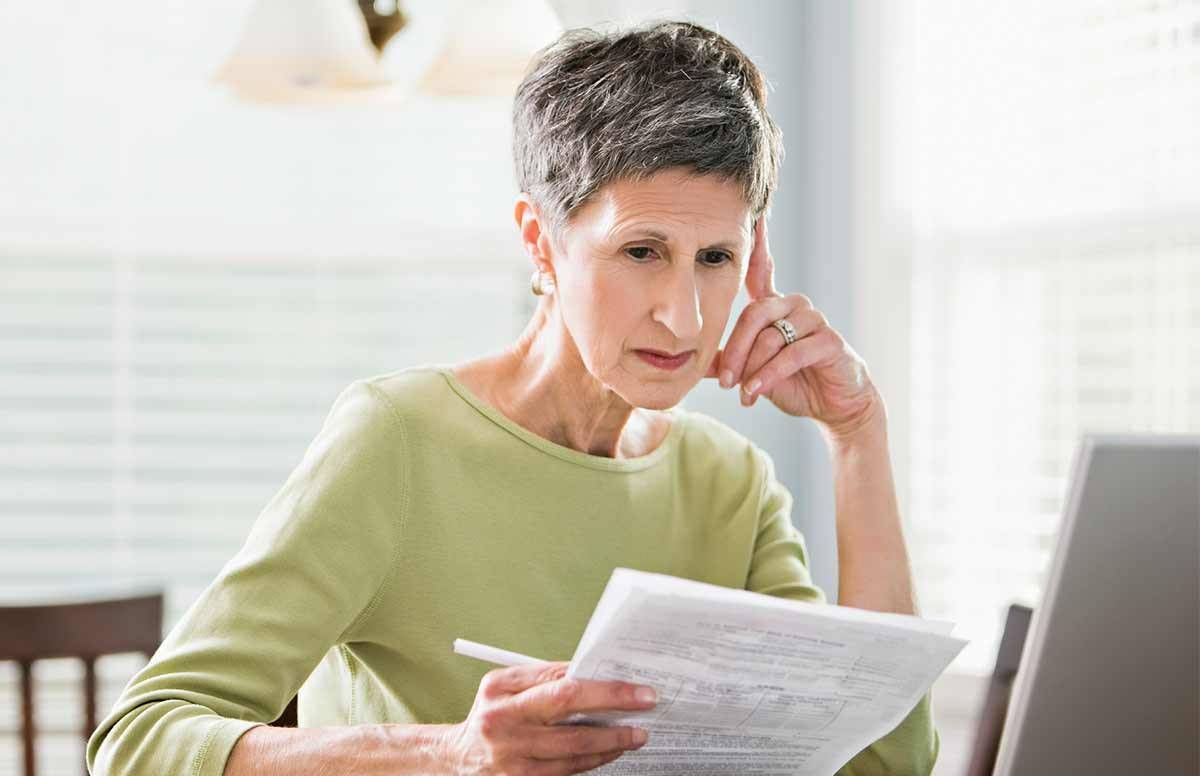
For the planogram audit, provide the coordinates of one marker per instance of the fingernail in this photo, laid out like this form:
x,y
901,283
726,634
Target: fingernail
x,y
639,736
726,379
753,386
646,695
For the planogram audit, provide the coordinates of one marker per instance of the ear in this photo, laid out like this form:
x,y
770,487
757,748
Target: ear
x,y
535,234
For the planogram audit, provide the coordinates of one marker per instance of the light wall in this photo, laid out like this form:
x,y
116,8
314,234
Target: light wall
x,y
126,171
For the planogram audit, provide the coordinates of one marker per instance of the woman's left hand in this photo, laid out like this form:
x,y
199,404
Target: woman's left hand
x,y
817,376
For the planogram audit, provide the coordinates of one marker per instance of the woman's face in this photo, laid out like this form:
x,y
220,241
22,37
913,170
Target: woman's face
x,y
653,266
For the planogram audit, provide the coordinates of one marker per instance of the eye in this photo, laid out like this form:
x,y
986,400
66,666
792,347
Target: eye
x,y
640,253
715,258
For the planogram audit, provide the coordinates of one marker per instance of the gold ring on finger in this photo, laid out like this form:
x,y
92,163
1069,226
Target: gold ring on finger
x,y
786,328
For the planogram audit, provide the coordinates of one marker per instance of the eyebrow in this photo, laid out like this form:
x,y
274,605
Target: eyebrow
x,y
654,234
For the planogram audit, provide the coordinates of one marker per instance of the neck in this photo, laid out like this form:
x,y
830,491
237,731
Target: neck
x,y
541,383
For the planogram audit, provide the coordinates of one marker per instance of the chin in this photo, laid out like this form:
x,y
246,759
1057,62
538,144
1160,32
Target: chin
x,y
660,404
659,395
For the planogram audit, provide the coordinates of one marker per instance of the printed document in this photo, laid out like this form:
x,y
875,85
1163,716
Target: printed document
x,y
750,683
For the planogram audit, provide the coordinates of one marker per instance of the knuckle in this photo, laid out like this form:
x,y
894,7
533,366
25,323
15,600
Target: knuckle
x,y
489,685
755,316
766,310
566,692
548,674
751,310
804,301
491,722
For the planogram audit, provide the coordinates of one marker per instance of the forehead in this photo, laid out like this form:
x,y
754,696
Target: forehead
x,y
672,204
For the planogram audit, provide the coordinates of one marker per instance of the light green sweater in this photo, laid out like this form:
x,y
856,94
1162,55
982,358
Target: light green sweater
x,y
420,514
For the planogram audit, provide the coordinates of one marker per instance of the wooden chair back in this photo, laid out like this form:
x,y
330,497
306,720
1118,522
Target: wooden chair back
x,y
995,703
81,629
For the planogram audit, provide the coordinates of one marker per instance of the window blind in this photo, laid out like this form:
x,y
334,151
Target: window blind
x,y
1052,175
149,409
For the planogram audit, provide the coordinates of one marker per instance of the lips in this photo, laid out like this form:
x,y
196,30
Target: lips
x,y
664,360
665,354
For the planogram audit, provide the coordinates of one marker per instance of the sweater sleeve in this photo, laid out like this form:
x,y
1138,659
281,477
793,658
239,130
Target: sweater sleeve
x,y
780,567
312,567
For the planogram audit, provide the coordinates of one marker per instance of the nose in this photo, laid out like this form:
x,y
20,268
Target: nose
x,y
677,304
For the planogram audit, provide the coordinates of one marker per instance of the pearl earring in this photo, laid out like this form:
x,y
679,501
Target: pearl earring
x,y
541,283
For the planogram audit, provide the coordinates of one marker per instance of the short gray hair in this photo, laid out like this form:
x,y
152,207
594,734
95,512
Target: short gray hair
x,y
596,107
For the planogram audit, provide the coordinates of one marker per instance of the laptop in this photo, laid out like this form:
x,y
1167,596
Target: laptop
x,y
1109,679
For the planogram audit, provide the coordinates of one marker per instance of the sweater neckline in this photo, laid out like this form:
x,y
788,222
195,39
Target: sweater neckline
x,y
561,451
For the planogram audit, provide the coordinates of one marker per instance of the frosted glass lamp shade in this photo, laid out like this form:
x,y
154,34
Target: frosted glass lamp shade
x,y
289,47
320,50
488,47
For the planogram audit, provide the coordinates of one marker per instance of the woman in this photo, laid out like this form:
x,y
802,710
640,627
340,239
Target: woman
x,y
492,499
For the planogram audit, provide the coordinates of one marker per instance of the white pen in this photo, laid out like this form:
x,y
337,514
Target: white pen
x,y
505,658
493,654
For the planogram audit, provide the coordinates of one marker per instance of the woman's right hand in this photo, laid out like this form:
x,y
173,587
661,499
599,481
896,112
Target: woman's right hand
x,y
510,729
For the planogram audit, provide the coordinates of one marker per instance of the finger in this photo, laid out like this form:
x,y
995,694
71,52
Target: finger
x,y
770,340
577,764
768,343
822,347
760,276
752,320
713,365
554,743
547,703
501,682
587,762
